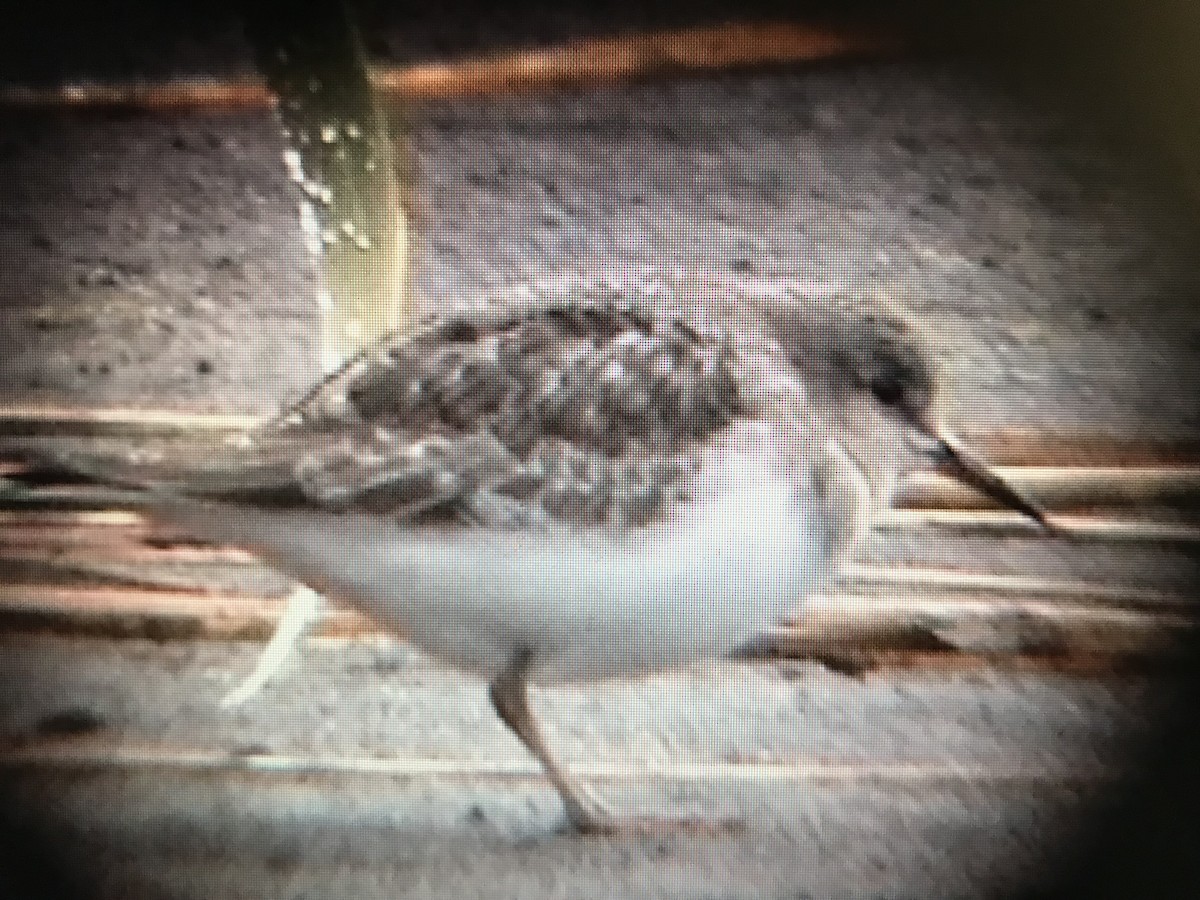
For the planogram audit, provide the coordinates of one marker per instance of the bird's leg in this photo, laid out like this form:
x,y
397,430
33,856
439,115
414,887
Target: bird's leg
x,y
510,697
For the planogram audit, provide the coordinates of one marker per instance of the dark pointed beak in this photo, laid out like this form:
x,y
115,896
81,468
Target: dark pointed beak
x,y
968,468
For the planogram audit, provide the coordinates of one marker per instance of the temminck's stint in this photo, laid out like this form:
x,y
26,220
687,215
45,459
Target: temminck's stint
x,y
574,489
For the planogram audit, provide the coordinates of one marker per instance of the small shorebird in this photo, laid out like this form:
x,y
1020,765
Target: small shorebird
x,y
565,490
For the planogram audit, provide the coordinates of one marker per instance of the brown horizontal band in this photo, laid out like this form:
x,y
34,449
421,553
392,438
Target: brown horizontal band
x,y
95,754
1001,631
1003,446
575,64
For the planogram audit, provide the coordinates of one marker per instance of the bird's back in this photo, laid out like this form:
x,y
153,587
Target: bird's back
x,y
583,413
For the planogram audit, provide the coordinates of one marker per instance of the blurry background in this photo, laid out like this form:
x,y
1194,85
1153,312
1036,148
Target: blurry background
x,y
1023,179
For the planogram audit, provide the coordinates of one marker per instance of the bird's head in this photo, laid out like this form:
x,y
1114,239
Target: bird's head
x,y
872,377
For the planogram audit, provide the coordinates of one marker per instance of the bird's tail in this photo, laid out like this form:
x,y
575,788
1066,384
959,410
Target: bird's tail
x,y
199,484
144,472
32,469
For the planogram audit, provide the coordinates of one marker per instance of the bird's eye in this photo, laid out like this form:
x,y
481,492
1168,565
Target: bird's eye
x,y
886,389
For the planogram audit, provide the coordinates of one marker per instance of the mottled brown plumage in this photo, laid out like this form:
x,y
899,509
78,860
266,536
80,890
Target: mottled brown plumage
x,y
582,411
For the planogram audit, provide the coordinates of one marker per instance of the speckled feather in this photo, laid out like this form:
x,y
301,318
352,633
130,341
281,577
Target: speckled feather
x,y
428,481
582,411
472,481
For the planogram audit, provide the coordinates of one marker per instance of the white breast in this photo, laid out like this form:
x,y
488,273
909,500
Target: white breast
x,y
587,604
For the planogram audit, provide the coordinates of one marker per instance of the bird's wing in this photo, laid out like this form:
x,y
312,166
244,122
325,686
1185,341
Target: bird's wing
x,y
576,412
581,411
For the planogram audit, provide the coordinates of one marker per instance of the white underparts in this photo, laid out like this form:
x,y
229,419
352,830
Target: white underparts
x,y
585,603
846,496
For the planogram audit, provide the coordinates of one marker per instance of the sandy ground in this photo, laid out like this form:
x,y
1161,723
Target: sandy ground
x,y
142,249
156,260
927,785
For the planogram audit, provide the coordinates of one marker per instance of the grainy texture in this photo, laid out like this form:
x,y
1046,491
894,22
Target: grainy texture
x,y
919,786
586,412
141,249
155,259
